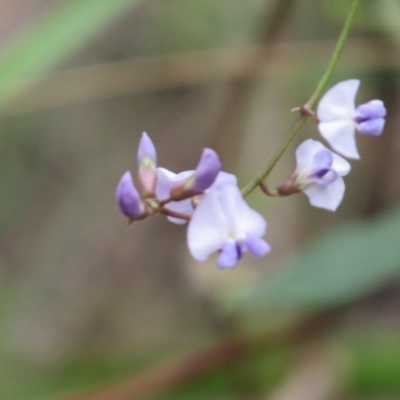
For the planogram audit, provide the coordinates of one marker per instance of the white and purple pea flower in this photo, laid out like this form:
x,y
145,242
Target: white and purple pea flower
x,y
224,222
339,118
318,174
220,219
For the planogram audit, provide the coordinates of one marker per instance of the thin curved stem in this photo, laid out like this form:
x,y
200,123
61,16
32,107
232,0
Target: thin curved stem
x,y
263,174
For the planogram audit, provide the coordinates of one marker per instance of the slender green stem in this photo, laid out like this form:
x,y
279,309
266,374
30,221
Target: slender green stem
x,y
311,103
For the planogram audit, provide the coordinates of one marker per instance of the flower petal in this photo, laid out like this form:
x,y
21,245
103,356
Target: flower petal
x,y
257,246
340,165
323,158
338,102
128,198
327,197
229,255
223,178
306,152
165,180
146,150
371,110
209,228
341,136
206,171
242,218
372,127
323,176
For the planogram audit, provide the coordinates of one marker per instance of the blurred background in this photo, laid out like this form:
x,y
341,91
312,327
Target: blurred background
x,y
94,310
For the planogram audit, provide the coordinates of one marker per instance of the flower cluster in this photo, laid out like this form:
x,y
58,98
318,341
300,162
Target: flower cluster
x,y
219,218
209,199
319,171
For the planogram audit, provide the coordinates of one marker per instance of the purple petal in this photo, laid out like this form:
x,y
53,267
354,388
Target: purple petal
x,y
323,176
207,170
371,110
323,158
229,255
306,152
257,246
146,150
372,127
128,197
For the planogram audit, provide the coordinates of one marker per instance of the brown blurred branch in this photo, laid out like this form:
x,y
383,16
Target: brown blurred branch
x,y
228,130
173,373
189,69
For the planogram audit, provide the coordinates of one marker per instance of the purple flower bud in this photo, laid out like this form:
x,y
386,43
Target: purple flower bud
x,y
146,151
202,178
206,171
128,198
147,160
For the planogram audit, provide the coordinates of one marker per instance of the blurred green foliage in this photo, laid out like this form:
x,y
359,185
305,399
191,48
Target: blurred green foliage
x,y
340,266
61,32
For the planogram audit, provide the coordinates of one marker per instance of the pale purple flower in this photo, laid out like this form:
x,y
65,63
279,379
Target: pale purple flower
x,y
128,198
167,179
224,222
339,118
319,174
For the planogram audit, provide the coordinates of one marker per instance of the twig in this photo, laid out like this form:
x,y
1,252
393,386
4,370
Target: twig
x,y
103,81
173,373
228,129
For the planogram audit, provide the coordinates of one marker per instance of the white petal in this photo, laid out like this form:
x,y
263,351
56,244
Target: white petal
x,y
242,218
328,197
338,102
165,180
341,136
340,165
183,207
208,228
223,178
305,153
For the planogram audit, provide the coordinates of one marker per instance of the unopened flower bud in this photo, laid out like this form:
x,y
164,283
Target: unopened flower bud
x,y
202,178
147,162
128,198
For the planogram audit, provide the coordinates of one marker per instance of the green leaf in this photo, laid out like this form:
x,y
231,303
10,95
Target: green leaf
x,y
341,265
64,30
